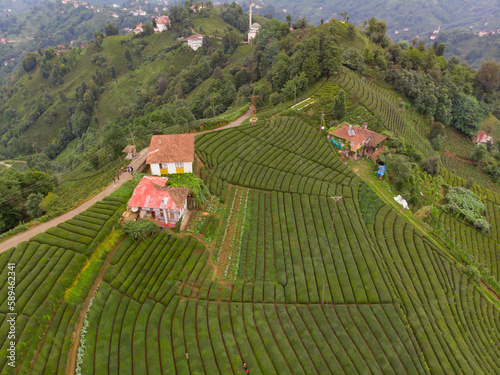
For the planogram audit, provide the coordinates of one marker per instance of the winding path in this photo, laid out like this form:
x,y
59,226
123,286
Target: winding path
x,y
40,228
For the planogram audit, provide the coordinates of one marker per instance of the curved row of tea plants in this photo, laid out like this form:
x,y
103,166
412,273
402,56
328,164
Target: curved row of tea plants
x,y
46,267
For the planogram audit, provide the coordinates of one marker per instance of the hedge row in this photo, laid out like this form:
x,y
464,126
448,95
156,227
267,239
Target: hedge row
x,y
125,336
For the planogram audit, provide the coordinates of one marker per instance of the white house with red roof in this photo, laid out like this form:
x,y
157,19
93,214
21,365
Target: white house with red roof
x,y
169,154
138,29
152,199
195,41
162,23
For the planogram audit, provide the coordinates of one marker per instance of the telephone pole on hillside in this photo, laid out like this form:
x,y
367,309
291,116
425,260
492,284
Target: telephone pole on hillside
x,y
253,120
336,198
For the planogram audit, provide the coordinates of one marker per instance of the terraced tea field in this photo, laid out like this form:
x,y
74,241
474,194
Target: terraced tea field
x,y
372,294
318,287
46,267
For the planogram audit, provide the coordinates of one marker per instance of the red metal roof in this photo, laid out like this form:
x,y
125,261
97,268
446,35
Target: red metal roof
x,y
152,193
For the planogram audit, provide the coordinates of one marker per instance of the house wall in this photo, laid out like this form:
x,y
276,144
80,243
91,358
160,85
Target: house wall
x,y
155,169
169,168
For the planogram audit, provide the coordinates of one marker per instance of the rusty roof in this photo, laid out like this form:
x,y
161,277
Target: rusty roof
x,y
360,135
129,148
171,148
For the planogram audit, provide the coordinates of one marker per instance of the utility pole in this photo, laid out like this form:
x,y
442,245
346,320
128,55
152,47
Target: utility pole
x,y
336,198
322,118
132,136
213,103
253,120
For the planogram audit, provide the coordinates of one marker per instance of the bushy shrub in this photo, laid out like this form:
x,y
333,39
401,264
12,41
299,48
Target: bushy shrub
x,y
177,227
141,229
431,165
465,202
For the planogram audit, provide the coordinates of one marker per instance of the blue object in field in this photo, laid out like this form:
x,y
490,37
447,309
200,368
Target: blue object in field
x,y
381,170
336,144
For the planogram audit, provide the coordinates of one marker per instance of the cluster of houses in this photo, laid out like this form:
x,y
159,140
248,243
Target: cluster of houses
x,y
162,24
153,198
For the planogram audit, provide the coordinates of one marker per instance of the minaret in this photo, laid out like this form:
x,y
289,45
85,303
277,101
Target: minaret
x,y
250,16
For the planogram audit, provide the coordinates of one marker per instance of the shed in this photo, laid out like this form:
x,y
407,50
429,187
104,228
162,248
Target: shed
x,y
131,151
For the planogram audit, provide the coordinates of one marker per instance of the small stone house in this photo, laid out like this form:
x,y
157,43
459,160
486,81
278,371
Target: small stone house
x,y
169,154
152,199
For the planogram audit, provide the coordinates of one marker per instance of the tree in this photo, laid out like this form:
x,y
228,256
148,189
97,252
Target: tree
x,y
33,205
51,203
399,170
479,153
376,31
487,78
431,165
111,29
29,62
128,55
147,29
281,70
289,20
161,86
339,107
300,24
440,49
230,41
467,113
351,31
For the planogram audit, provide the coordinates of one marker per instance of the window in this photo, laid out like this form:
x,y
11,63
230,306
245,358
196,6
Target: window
x,y
179,165
172,216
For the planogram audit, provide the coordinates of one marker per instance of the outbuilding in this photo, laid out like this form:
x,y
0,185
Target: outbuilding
x,y
153,199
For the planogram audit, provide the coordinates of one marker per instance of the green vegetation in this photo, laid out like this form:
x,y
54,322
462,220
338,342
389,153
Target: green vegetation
x,y
274,273
46,267
464,202
140,229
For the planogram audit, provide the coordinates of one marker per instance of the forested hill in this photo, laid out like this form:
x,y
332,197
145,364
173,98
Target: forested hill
x,y
52,23
419,17
407,20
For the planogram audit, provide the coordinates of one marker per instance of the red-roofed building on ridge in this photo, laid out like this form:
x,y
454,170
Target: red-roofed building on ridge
x,y
152,199
483,138
195,41
169,154
359,138
162,23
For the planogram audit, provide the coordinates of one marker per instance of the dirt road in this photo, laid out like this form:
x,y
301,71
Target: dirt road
x,y
34,230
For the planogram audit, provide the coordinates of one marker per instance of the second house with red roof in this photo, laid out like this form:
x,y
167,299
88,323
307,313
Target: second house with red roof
x,y
154,200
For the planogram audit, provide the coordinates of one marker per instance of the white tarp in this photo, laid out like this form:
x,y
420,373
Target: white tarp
x,y
402,202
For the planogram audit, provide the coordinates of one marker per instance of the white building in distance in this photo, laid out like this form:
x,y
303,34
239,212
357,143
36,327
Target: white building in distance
x,y
253,29
195,41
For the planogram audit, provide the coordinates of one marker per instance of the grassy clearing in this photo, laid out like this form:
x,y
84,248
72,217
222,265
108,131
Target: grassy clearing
x,y
83,282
